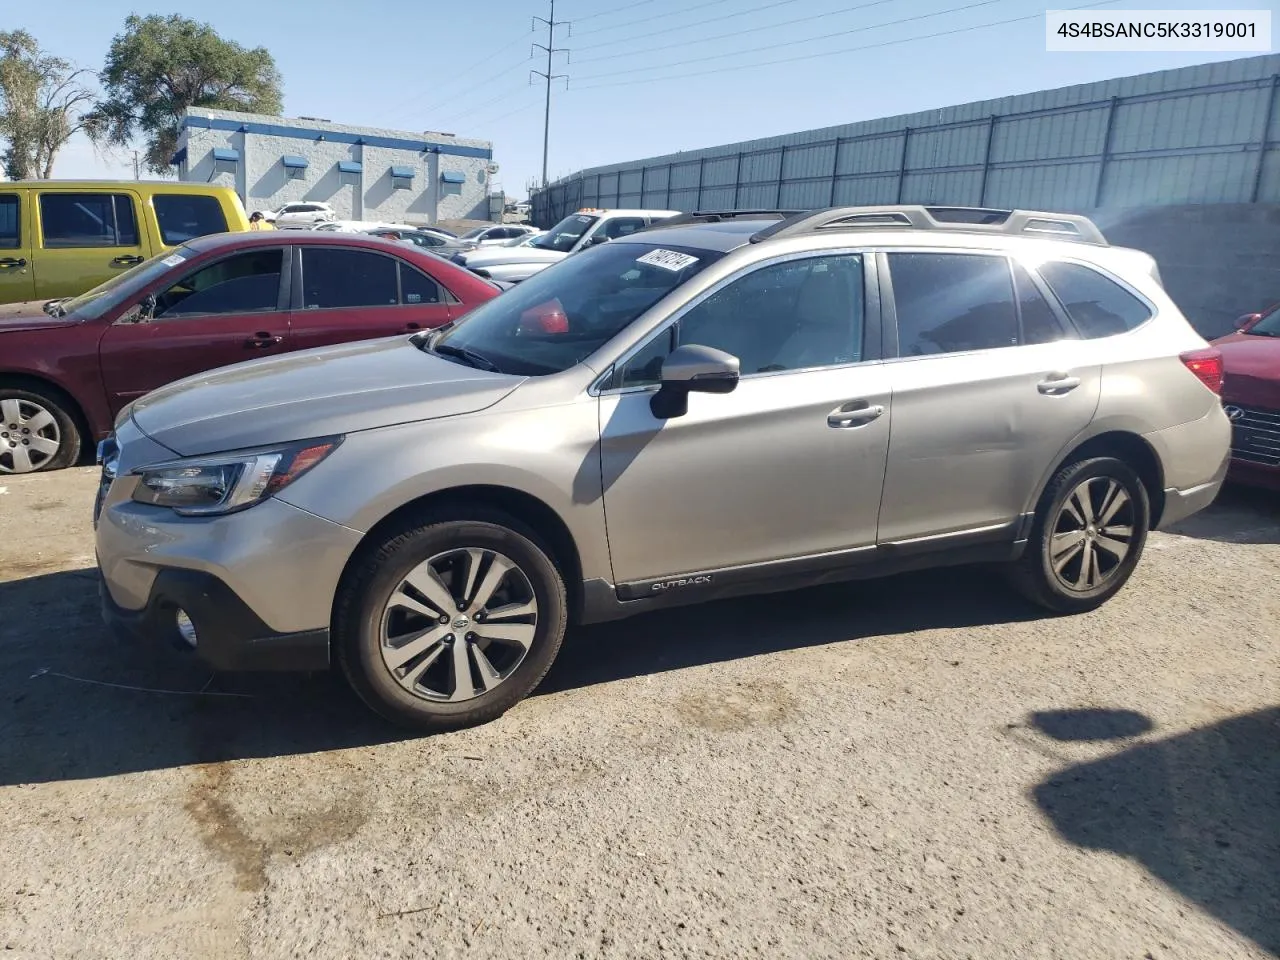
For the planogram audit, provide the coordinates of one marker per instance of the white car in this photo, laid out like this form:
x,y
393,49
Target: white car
x,y
494,236
301,215
575,232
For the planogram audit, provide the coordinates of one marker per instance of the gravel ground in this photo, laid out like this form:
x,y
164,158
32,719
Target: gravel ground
x,y
920,767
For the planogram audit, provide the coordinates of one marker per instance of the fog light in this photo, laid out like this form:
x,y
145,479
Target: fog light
x,y
186,629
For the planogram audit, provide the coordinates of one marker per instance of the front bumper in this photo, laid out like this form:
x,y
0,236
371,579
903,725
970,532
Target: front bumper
x,y
228,635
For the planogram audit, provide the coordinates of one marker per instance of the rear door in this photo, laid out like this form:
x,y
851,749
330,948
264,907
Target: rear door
x,y
83,238
988,387
347,294
17,278
223,312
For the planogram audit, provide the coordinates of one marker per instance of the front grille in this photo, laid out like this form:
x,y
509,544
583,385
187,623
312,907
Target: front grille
x,y
1255,434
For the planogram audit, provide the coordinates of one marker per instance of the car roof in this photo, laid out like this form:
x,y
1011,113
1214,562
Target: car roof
x,y
153,186
721,236
273,238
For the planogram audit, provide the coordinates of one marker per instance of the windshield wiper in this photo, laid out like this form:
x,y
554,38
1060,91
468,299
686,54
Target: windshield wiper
x,y
469,357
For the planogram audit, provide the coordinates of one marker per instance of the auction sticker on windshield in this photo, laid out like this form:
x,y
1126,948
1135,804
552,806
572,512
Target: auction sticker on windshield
x,y
173,260
667,260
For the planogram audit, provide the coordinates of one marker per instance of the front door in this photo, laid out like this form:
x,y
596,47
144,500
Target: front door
x,y
988,390
17,276
222,313
789,465
347,294
84,239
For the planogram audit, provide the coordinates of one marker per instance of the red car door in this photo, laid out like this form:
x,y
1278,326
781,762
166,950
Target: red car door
x,y
223,312
348,294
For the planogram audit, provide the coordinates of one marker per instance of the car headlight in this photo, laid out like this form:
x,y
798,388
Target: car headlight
x,y
208,486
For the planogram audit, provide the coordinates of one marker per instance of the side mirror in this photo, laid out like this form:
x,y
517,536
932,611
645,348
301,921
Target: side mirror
x,y
597,240
692,368
144,312
1243,324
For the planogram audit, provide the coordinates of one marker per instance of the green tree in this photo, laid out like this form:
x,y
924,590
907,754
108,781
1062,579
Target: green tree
x,y
159,66
42,103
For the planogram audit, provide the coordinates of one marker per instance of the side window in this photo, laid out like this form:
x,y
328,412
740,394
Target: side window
x,y
1039,322
87,220
184,218
622,226
646,366
333,278
245,283
417,287
1098,306
950,302
10,233
785,316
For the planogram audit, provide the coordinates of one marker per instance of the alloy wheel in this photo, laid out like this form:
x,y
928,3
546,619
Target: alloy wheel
x,y
458,625
1092,534
29,435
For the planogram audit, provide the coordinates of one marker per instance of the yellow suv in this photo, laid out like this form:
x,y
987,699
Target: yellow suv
x,y
59,238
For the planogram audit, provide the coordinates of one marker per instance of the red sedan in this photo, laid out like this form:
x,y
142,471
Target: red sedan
x,y
68,366
1251,397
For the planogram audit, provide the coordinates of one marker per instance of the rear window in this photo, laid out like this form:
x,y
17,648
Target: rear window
x,y
1099,307
183,218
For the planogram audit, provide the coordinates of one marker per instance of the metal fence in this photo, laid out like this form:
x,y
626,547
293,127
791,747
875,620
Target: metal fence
x,y
1203,134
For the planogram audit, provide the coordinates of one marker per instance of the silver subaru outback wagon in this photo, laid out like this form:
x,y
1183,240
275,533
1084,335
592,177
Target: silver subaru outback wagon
x,y
724,404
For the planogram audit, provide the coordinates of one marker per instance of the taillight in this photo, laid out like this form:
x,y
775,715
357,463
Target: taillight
x,y
1207,366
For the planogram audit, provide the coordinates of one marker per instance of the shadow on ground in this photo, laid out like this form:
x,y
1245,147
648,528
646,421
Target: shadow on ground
x,y
1239,515
53,728
1200,811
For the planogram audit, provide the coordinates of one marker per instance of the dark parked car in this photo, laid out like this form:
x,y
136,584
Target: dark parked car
x,y
1251,397
68,366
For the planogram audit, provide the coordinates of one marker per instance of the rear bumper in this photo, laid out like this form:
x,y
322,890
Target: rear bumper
x,y
229,635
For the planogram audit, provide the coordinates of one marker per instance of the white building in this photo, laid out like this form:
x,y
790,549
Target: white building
x,y
365,173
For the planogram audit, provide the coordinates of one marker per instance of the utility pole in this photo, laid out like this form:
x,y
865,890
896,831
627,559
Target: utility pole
x,y
551,50
135,166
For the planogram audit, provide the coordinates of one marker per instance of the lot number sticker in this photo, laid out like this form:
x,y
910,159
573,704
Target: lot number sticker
x,y
667,260
173,260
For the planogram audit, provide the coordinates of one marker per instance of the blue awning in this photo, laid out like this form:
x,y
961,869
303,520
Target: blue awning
x,y
349,166
405,173
452,176
226,154
178,157
294,163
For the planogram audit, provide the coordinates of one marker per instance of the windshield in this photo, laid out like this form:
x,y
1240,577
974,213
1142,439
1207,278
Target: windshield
x,y
122,286
560,316
1269,325
565,234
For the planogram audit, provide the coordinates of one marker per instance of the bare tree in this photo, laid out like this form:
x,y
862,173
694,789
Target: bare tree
x,y
43,103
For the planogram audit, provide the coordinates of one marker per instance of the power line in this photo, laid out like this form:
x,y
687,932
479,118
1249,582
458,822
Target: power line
x,y
832,53
463,75
610,13
792,43
660,16
698,23
736,33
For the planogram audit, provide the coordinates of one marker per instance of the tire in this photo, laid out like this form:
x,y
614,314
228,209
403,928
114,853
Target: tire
x,y
1052,561
380,618
37,431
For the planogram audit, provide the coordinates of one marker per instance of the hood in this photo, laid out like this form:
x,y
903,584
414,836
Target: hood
x,y
497,256
1252,370
314,393
30,315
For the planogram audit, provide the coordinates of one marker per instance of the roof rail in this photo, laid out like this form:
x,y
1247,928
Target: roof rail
x,y
1053,226
717,216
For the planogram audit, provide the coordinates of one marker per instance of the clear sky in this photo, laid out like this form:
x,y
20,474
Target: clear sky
x,y
464,67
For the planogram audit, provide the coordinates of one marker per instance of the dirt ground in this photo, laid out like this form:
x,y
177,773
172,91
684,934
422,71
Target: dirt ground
x,y
920,767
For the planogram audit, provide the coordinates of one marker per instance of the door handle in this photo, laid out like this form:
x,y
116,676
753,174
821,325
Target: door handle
x,y
127,259
1056,384
13,262
855,413
262,340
